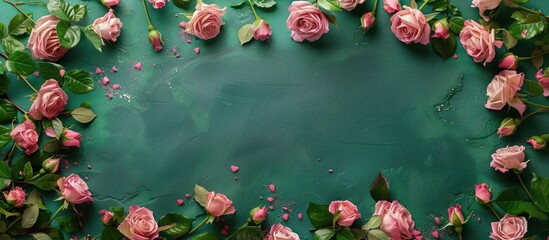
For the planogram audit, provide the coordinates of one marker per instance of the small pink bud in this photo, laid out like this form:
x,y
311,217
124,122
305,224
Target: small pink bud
x,y
155,37
367,21
455,216
258,215
197,50
538,142
51,165
508,126
509,61
62,72
107,216
261,30
442,29
483,194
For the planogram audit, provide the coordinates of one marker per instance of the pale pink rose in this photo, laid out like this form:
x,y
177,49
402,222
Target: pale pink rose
x,y
509,158
543,79
218,204
110,3
390,6
306,22
107,215
483,193
396,220
367,21
260,215
409,25
16,197
537,142
25,136
455,216
43,40
74,190
349,5
261,30
158,3
107,27
478,42
51,165
507,127
348,212
71,138
50,101
484,5
280,232
502,90
206,21
139,224
509,61
442,29
510,227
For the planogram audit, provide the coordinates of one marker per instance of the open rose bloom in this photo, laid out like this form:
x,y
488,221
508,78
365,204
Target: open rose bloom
x,y
509,227
107,27
25,136
218,204
478,42
74,190
280,232
410,26
139,224
349,5
306,22
43,40
484,5
507,158
348,212
396,220
16,197
501,91
206,21
50,101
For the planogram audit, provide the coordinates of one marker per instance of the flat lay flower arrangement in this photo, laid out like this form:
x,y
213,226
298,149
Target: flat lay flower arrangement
x,y
35,139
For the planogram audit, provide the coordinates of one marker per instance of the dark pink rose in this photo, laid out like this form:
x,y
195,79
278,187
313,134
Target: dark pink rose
x,y
107,216
16,197
396,220
478,42
502,90
543,79
43,40
349,5
258,215
483,193
367,21
74,190
537,142
261,30
508,158
25,136
306,22
409,25
51,101
348,212
280,232
139,224
509,227
218,204
158,3
455,216
484,5
51,165
206,21
108,27
391,6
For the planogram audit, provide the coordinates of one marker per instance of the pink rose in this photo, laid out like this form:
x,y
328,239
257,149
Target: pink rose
x,y
455,216
543,79
483,193
510,227
259,215
280,232
502,90
507,127
155,37
51,165
261,30
74,190
348,212
25,136
484,5
51,101
409,25
509,61
367,21
206,21
479,43
442,29
158,3
106,216
71,138
306,22
16,197
509,158
139,224
396,220
390,6
108,26
110,3
43,40
538,142
218,204
349,5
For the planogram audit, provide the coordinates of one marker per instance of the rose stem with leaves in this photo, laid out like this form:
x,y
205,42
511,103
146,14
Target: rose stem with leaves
x,y
200,224
524,186
423,5
20,10
21,77
253,10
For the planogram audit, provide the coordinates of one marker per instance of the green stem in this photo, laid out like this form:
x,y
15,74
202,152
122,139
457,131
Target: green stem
x,y
528,9
524,186
533,113
151,27
534,56
15,105
20,10
200,224
535,104
423,5
459,235
56,212
36,3
10,154
35,176
4,55
489,205
374,9
27,82
253,10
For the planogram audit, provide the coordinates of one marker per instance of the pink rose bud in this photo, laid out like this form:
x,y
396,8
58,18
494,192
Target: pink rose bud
x,y
543,79
508,126
74,190
71,138
25,136
261,30
107,27
483,194
281,232
391,6
16,197
43,40
157,4
349,5
367,21
410,26
442,29
51,165
455,216
538,142
348,212
218,205
155,37
107,216
62,72
206,21
306,22
139,224
110,3
509,61
505,159
50,101
258,215
509,227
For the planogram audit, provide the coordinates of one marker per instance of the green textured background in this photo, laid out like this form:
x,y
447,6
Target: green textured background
x,y
285,113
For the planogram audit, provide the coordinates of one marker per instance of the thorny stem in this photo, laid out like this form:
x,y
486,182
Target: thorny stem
x,y
253,10
151,27
489,205
524,186
20,10
423,5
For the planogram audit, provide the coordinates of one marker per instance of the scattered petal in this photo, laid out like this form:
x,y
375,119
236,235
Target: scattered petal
x,y
116,86
435,234
98,71
523,33
455,56
437,220
285,208
415,232
114,69
285,217
300,216
187,196
105,80
271,208
62,72
89,166
180,202
36,74
270,199
183,25
272,188
234,168
197,50
138,66
109,96
478,219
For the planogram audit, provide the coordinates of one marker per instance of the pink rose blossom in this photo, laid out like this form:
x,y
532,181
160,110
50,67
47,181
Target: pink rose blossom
x,y
157,4
74,190
509,158
508,126
206,21
455,216
478,42
16,197
51,165
483,193
348,212
110,3
538,142
139,224
51,101
502,90
25,136
306,22
396,220
409,25
509,61
107,216
509,227
484,5
259,215
390,6
218,205
71,138
261,30
349,5
43,40
442,29
367,21
107,27
280,232
543,79
155,37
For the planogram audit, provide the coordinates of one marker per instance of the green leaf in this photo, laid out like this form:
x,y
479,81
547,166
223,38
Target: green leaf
x,y
4,83
20,63
52,146
374,222
119,214
247,233
5,173
83,115
445,48
57,126
264,3
79,81
245,34
330,5
181,3
11,44
456,24
534,237
41,236
54,234
3,31
537,62
59,8
50,71
182,223
111,233
344,234
511,201
34,198
2,68
92,36
30,215
323,234
319,215
201,195
47,182
5,138
19,24
454,9
331,18
540,192
440,6
509,40
529,24
377,234
430,16
380,188
206,236
77,12
3,227
413,4
68,35
27,171
5,237
8,112
534,88
68,224
238,5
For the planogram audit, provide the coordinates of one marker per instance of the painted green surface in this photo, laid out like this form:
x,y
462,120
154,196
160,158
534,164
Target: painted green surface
x,y
285,113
